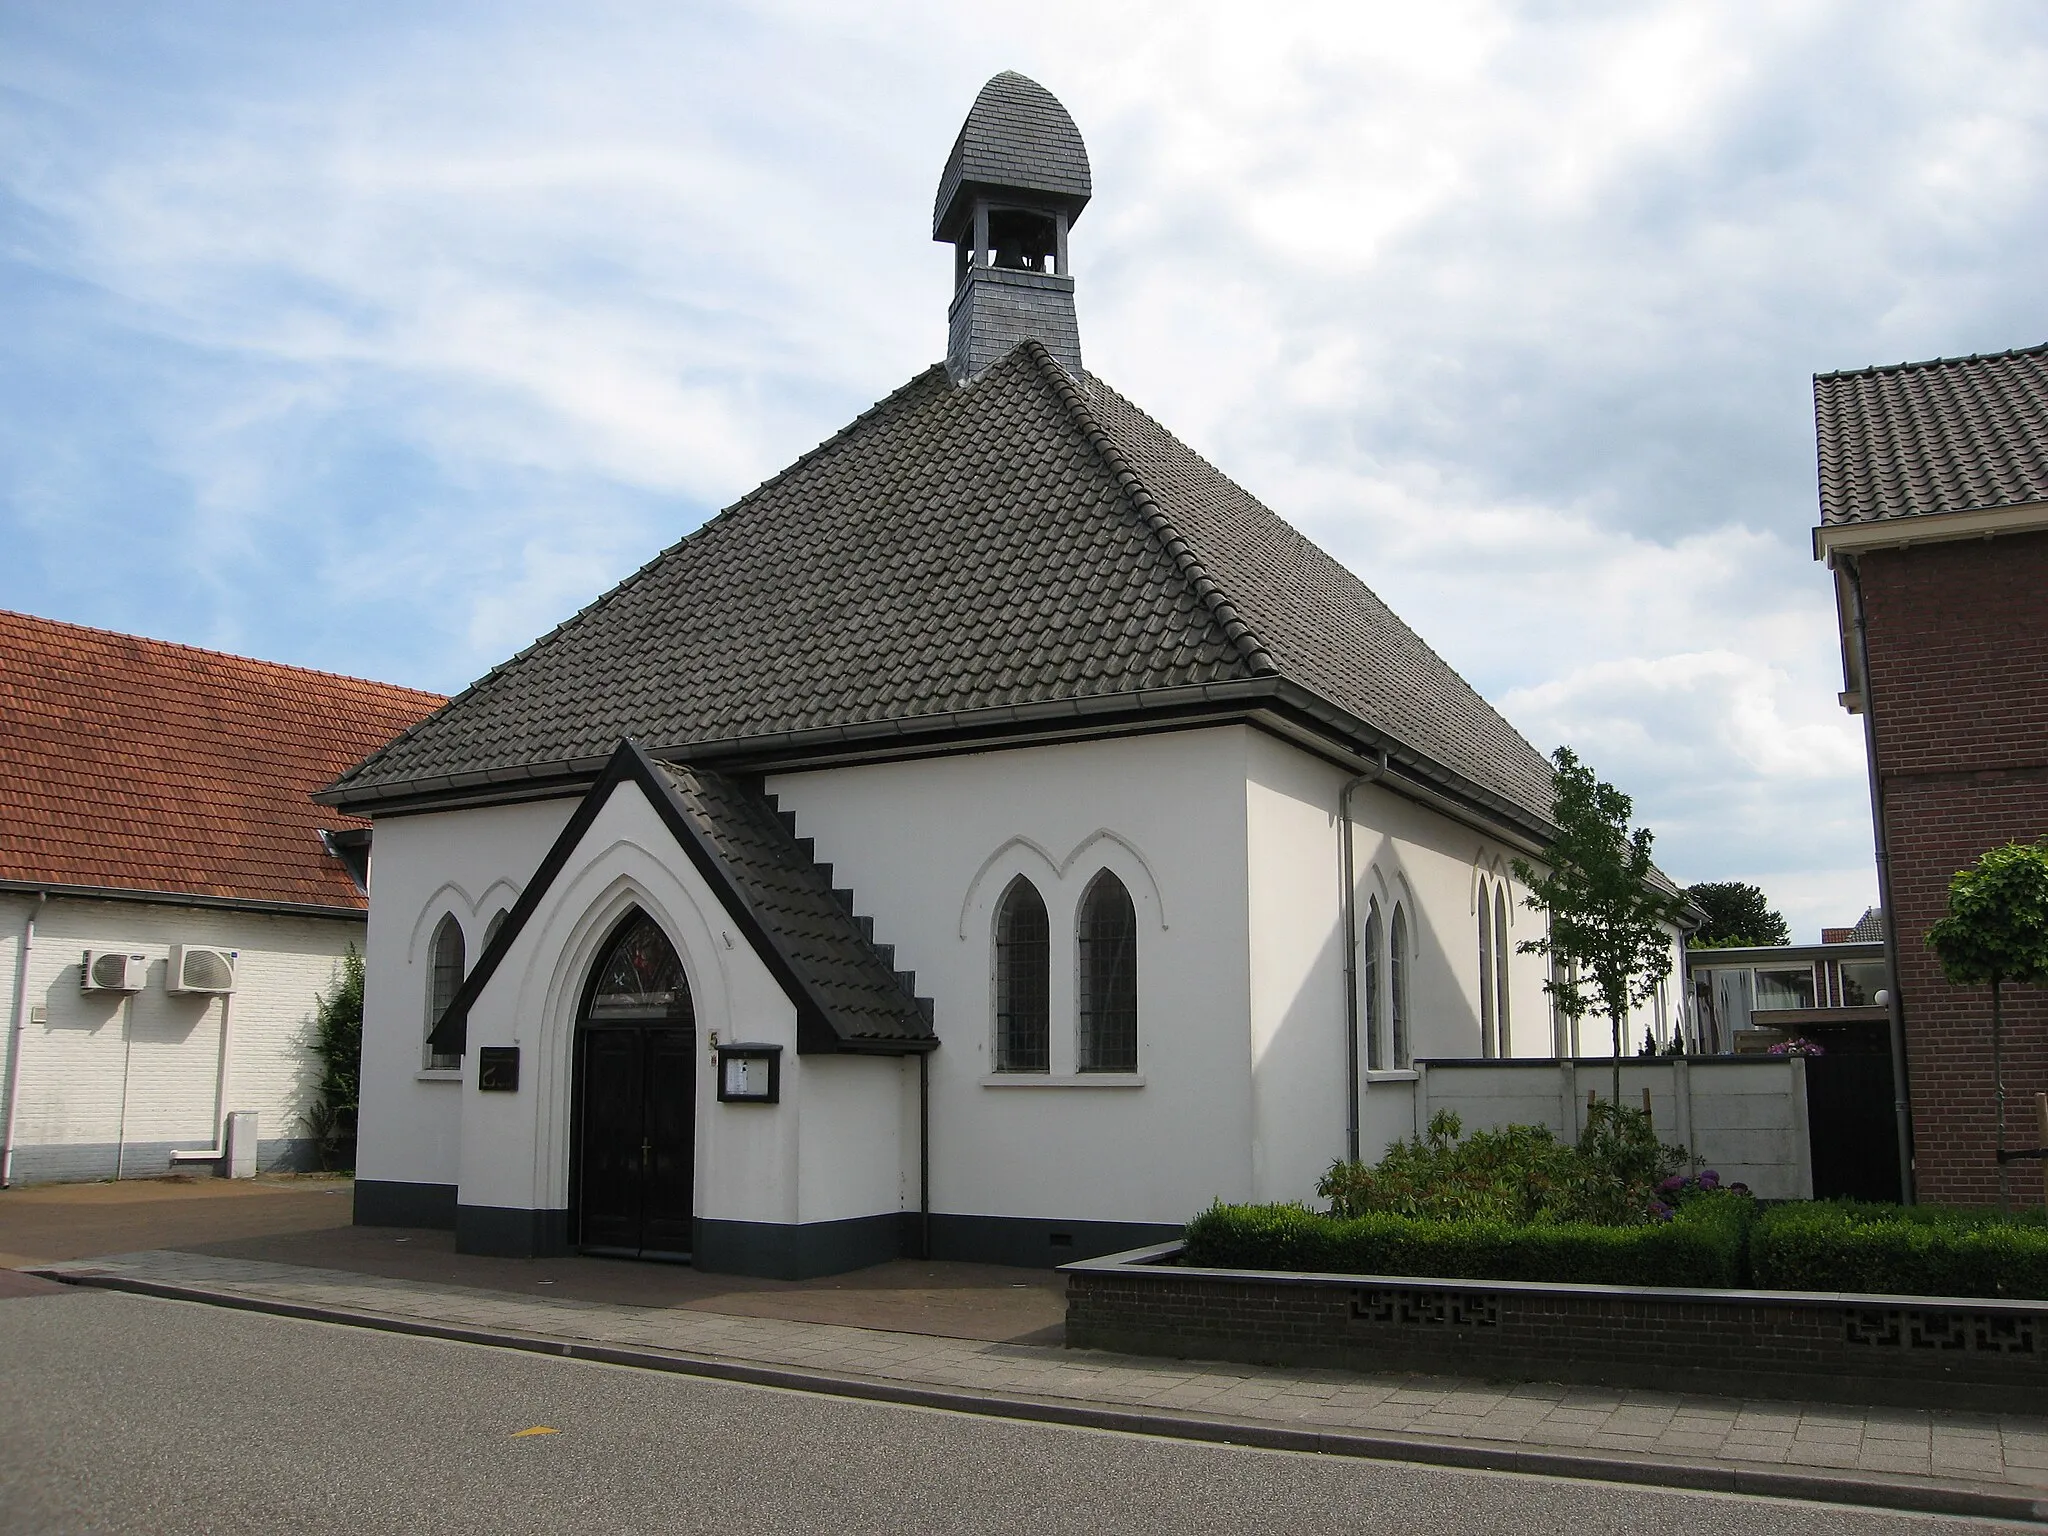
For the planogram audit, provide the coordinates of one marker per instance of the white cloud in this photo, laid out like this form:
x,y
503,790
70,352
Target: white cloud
x,y
408,331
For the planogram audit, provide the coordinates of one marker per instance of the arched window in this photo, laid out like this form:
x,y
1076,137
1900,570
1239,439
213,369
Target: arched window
x,y
1397,986
1109,977
1023,961
491,928
1500,967
445,964
1369,980
1488,1042
640,977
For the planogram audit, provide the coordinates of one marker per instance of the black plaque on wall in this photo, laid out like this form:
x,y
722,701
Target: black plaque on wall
x,y
497,1069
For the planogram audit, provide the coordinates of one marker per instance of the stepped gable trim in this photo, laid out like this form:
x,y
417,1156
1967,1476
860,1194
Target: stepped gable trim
x,y
816,1032
336,794
1214,598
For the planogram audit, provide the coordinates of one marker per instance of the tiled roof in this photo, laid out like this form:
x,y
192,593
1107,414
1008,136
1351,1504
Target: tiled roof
x,y
790,894
847,995
135,764
1320,625
1018,137
1952,435
1013,541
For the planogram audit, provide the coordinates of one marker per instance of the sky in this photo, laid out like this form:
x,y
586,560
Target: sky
x,y
380,338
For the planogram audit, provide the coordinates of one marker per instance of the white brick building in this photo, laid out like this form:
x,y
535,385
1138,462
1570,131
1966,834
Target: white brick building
x,y
153,796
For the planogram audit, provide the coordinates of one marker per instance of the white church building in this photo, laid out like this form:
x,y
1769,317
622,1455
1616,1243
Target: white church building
x,y
994,837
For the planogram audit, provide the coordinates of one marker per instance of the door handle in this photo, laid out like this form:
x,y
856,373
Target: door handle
x,y
646,1149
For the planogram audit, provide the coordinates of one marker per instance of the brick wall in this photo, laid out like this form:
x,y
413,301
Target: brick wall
x,y
1987,1356
1958,637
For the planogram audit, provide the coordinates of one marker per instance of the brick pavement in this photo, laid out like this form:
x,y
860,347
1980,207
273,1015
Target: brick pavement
x,y
1982,1451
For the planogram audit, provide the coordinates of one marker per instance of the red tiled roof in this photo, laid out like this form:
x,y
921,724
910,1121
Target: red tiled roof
x,y
135,764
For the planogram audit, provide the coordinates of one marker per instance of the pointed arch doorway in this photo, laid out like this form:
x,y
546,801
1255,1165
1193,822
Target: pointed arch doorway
x,y
635,1100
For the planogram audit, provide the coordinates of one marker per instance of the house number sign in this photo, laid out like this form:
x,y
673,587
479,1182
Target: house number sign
x,y
497,1069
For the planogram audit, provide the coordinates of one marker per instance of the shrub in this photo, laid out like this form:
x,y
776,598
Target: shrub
x,y
337,1042
1919,1250
1519,1174
1701,1245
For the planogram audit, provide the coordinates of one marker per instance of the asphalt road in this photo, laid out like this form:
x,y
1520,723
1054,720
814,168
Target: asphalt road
x,y
126,1413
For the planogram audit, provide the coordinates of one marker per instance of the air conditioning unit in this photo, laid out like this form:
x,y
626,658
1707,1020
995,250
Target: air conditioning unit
x,y
201,968
107,970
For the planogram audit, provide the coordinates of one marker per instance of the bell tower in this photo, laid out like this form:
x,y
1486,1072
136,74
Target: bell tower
x,y
1014,185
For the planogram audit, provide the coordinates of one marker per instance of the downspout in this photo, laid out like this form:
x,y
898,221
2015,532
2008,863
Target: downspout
x,y
1349,906
1902,1112
924,1154
16,1032
219,1149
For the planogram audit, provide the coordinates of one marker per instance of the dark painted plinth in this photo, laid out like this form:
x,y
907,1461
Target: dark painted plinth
x,y
390,1203
507,1233
1030,1243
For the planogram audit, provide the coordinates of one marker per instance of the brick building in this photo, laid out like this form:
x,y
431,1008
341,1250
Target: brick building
x,y
1934,520
154,817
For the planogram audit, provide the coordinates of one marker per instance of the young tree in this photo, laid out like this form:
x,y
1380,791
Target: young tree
x,y
1738,914
1609,926
1996,932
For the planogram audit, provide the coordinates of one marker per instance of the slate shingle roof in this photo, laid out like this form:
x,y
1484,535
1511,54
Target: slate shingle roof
x,y
790,895
1951,435
1017,136
1018,540
138,765
1317,622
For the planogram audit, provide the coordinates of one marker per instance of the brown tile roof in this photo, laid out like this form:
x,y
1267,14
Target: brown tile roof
x,y
1012,543
1958,434
135,764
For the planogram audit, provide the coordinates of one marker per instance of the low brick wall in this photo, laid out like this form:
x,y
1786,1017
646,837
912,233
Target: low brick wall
x,y
1933,1352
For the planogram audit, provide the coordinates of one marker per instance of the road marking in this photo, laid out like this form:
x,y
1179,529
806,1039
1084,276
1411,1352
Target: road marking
x,y
538,1429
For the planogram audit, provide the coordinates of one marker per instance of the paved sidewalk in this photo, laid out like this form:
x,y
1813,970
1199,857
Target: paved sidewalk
x,y
1967,1463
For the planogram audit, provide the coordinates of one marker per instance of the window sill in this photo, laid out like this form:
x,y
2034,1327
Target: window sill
x,y
1064,1080
438,1075
1394,1075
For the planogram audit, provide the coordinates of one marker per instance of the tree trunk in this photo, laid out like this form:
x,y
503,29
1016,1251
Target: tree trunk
x,y
1998,1090
1616,1017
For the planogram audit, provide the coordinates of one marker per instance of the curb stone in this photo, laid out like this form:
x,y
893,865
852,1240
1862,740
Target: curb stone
x,y
1907,1495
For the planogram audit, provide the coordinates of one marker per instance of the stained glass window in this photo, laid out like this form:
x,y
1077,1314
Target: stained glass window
x,y
1487,1046
1500,963
446,963
640,976
1397,985
1023,958
1109,978
1369,983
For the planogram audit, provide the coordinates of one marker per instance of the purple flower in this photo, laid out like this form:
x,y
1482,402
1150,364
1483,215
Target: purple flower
x,y
1675,1182
1659,1211
1710,1180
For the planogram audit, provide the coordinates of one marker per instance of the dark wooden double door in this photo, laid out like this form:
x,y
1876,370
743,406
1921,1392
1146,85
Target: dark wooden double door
x,y
637,1139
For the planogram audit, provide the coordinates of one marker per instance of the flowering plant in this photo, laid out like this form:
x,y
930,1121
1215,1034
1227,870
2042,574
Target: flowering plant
x,y
1798,1045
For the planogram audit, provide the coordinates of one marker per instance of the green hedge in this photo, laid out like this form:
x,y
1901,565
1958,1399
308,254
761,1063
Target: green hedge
x,y
1703,1245
1840,1245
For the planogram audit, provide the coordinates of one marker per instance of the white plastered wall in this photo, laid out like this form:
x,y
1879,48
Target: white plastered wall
x,y
77,1047
466,863
1405,855
928,848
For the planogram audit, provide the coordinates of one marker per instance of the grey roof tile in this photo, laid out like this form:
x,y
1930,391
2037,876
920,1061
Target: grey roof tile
x,y
791,896
1952,435
1017,137
1021,539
